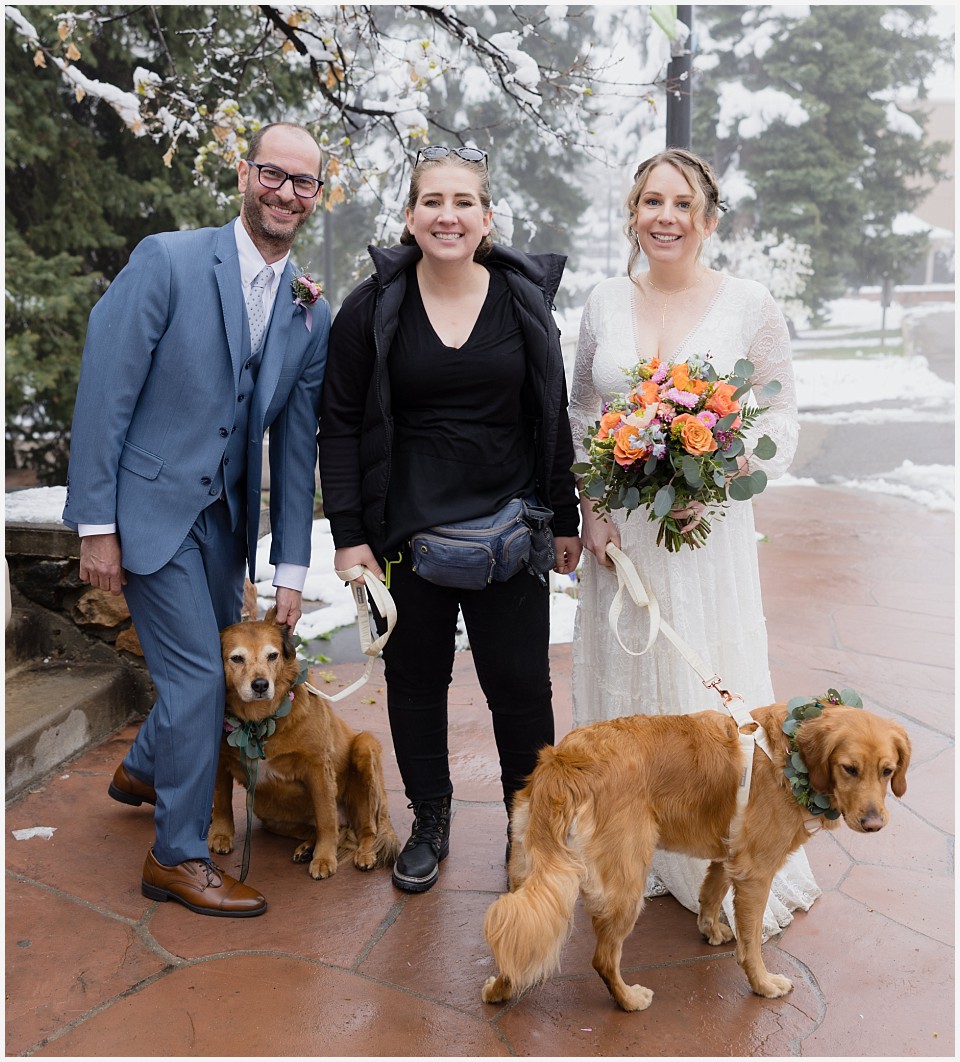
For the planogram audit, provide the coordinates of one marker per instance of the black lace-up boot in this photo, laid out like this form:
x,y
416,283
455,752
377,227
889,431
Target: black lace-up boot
x,y
416,868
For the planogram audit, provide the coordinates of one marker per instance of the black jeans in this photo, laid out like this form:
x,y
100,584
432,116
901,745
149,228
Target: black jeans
x,y
509,629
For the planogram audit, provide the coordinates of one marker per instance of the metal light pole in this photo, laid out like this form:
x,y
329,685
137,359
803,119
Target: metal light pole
x,y
680,85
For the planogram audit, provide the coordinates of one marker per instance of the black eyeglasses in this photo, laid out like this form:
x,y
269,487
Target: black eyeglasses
x,y
438,151
273,177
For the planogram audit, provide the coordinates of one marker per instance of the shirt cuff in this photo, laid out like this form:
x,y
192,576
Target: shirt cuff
x,y
96,529
292,576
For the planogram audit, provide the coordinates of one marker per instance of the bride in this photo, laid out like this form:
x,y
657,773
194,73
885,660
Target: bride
x,y
676,310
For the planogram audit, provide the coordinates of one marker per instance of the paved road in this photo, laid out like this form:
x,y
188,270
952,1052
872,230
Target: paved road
x,y
830,453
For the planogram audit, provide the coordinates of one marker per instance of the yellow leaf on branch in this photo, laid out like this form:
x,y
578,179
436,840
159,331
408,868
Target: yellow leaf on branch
x,y
38,58
73,52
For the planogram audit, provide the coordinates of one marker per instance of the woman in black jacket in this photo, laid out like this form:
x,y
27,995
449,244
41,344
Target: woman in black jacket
x,y
444,398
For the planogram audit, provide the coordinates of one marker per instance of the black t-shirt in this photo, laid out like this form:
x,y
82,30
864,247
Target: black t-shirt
x,y
463,443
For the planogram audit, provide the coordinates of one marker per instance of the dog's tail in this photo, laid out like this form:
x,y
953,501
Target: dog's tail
x,y
527,928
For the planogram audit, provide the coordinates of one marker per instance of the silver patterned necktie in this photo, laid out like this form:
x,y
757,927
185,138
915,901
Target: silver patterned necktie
x,y
256,316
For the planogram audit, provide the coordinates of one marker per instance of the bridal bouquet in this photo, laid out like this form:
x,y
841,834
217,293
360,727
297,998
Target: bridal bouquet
x,y
674,438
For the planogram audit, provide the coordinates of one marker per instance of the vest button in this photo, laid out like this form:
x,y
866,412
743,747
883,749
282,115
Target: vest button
x,y
205,480
240,398
224,433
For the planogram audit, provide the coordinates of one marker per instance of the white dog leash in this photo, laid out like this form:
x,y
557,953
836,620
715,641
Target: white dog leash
x,y
631,583
361,581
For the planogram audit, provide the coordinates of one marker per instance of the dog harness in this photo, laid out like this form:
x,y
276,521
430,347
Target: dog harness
x,y
749,731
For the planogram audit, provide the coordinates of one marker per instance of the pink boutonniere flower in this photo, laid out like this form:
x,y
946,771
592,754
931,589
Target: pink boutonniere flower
x,y
306,291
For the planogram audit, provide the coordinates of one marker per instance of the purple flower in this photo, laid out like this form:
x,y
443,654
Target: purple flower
x,y
687,399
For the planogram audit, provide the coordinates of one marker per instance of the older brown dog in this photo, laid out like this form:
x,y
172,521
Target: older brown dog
x,y
321,780
609,794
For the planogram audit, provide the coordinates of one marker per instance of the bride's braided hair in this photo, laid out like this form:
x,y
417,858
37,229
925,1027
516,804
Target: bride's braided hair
x,y
698,174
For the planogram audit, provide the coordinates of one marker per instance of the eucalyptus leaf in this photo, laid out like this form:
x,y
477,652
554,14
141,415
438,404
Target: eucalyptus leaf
x,y
797,761
663,502
758,480
765,448
814,711
735,449
790,726
581,468
744,368
740,392
727,422
719,478
691,472
650,466
740,489
851,697
631,498
596,488
831,814
821,800
797,702
771,388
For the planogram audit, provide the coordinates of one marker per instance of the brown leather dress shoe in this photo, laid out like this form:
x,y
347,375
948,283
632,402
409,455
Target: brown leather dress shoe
x,y
130,790
202,886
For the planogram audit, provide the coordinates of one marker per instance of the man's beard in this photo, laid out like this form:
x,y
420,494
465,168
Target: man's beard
x,y
262,227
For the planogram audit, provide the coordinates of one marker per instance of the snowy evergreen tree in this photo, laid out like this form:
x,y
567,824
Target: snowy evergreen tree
x,y
803,112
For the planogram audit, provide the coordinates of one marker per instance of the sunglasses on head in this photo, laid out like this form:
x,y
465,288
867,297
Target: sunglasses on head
x,y
438,151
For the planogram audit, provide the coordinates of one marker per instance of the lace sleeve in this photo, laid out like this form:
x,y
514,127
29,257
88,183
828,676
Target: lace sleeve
x,y
584,398
769,350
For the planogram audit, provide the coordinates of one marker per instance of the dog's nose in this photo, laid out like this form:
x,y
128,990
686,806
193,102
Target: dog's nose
x,y
261,687
872,821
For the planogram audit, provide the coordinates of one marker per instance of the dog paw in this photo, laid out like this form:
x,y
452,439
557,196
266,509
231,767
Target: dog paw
x,y
496,990
365,860
716,932
221,843
323,868
772,986
304,853
634,997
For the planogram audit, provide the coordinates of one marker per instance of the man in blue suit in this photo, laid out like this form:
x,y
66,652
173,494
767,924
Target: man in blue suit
x,y
196,349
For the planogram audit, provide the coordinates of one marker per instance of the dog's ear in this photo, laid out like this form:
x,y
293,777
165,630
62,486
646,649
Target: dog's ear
x,y
898,783
286,642
271,616
816,742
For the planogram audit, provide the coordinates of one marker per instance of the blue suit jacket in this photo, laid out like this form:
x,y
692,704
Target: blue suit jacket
x,y
158,396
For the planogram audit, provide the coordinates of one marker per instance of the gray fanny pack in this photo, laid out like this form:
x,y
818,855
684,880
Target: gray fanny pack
x,y
471,554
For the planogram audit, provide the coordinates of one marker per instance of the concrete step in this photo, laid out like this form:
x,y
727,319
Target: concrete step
x,y
64,691
55,711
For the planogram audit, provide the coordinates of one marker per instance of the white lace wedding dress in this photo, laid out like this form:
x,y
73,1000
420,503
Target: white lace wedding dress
x,y
711,595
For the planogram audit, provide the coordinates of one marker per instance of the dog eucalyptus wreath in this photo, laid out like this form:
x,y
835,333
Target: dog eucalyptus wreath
x,y
799,710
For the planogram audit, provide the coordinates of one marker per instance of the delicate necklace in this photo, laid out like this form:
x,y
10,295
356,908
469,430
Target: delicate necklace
x,y
666,295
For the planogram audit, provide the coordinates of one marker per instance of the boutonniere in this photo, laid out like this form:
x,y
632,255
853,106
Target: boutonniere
x,y
306,291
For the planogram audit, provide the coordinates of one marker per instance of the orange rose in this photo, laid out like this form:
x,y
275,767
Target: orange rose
x,y
721,401
608,421
644,394
625,452
697,439
682,382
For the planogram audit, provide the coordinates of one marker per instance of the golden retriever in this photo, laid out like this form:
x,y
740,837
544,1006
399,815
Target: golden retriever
x,y
321,781
601,802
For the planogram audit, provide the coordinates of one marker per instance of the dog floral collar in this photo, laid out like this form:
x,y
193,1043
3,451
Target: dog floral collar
x,y
799,710
250,737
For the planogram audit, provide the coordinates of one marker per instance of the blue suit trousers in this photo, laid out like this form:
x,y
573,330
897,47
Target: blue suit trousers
x,y
178,612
